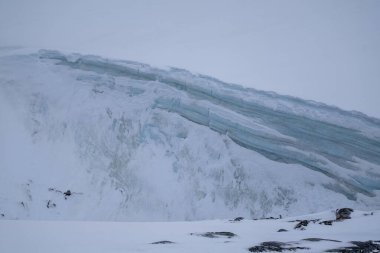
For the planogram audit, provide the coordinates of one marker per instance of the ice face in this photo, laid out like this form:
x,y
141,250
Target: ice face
x,y
168,144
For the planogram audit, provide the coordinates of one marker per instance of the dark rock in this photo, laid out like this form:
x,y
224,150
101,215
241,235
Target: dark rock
x,y
2,215
318,240
314,221
269,218
302,224
327,222
274,246
343,213
238,219
97,91
282,230
67,193
51,189
360,247
50,204
216,234
162,242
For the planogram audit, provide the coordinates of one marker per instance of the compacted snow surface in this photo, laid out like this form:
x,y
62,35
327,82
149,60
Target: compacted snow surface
x,y
54,236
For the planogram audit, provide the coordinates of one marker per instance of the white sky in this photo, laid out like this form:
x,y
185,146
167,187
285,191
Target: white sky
x,y
323,50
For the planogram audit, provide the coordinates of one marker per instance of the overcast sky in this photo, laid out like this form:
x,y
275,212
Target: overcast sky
x,y
328,51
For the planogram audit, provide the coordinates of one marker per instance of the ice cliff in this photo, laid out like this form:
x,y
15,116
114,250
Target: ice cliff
x,y
135,142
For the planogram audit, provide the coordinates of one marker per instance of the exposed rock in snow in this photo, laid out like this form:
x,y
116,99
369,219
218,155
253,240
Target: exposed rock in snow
x,y
163,242
216,234
360,247
343,213
273,246
358,234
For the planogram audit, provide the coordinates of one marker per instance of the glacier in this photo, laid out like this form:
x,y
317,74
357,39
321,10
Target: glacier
x,y
134,143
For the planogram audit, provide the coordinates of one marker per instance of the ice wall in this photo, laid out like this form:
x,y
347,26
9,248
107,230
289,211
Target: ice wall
x,y
319,137
141,143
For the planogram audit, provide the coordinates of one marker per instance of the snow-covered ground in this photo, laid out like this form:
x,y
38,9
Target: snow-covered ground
x,y
54,236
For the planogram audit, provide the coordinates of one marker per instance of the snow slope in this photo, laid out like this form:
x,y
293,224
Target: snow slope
x,y
55,236
133,142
